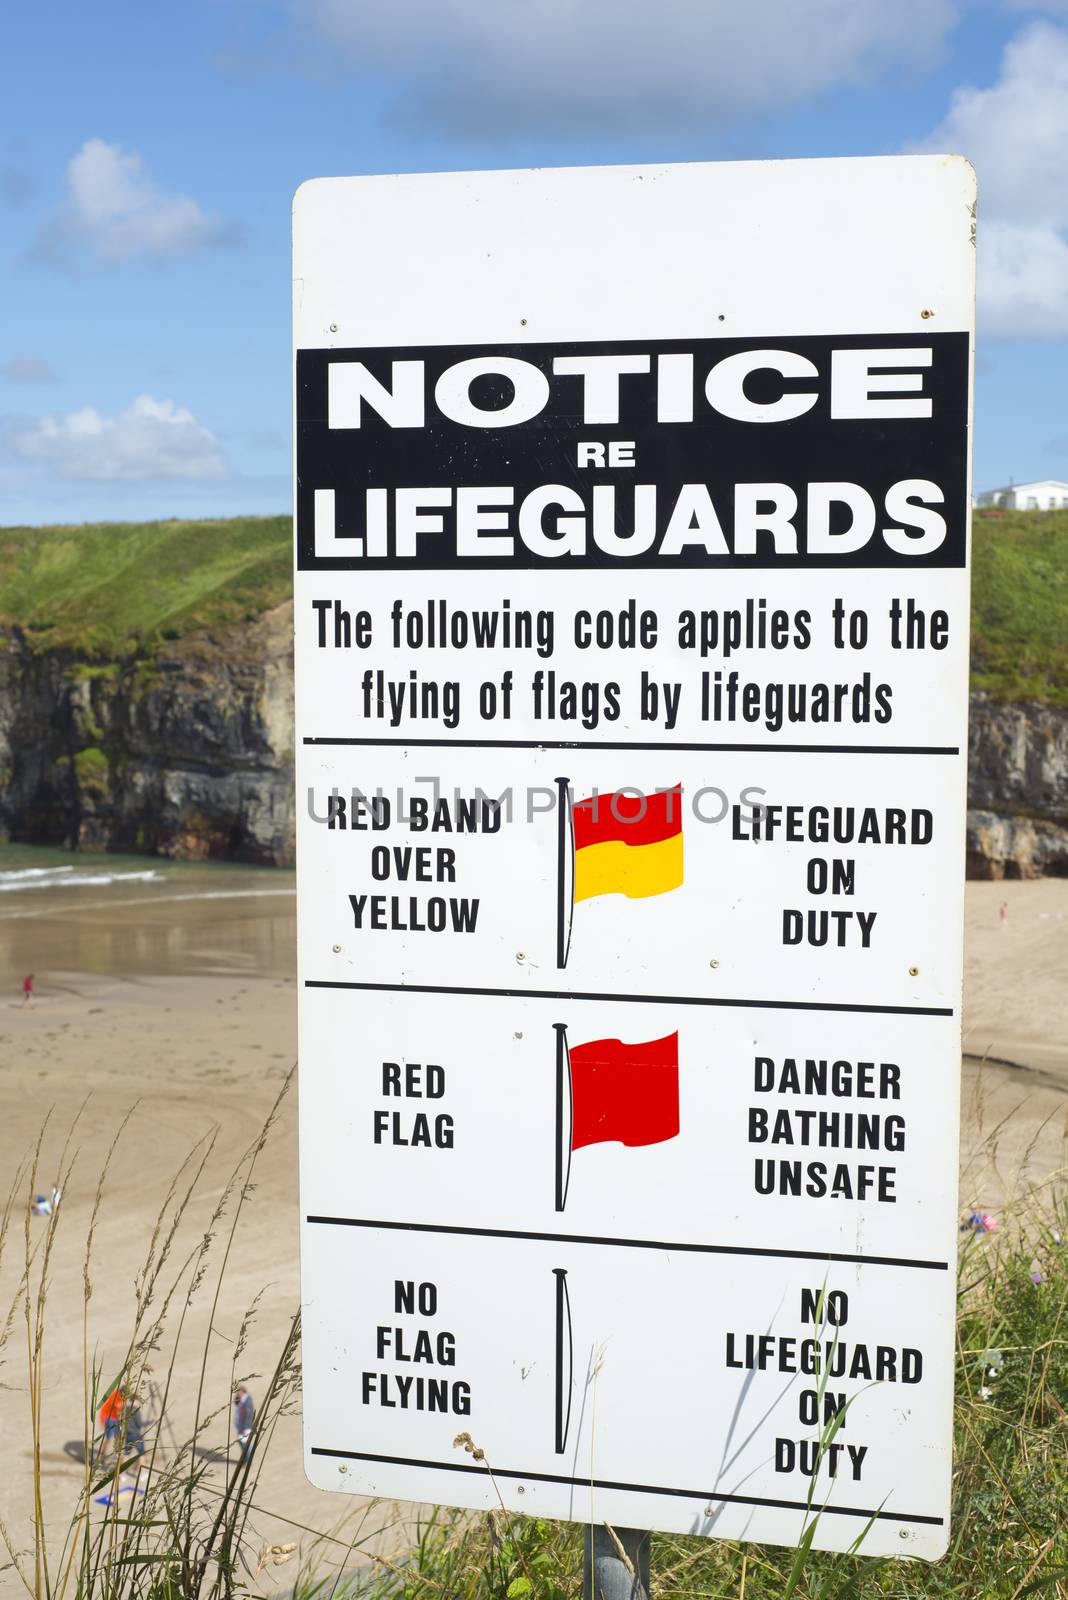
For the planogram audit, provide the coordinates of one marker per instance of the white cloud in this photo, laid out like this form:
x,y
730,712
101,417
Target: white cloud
x,y
1023,280
489,68
1015,133
115,212
150,439
28,369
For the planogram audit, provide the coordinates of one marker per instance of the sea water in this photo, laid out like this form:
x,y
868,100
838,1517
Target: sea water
x,y
65,913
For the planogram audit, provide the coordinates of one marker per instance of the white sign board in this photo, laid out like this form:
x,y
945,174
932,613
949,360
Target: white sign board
x,y
632,636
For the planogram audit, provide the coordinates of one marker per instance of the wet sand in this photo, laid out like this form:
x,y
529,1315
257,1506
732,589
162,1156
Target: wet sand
x,y
174,994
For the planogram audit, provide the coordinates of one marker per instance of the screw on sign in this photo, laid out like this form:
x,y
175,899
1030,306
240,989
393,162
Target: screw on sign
x,y
616,631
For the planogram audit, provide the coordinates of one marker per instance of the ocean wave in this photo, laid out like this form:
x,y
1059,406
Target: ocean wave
x,y
32,872
67,878
161,900
230,894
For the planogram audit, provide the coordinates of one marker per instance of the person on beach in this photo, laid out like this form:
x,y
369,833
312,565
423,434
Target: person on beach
x,y
44,1205
111,1415
110,1419
244,1416
27,988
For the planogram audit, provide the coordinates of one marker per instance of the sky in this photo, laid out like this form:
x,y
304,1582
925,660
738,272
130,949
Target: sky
x,y
149,154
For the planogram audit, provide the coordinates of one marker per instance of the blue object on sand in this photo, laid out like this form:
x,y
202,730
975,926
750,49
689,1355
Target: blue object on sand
x,y
106,1500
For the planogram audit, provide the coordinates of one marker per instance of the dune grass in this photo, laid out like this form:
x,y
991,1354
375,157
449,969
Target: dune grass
x,y
192,1534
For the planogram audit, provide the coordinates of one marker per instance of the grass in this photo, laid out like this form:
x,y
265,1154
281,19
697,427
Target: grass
x,y
111,589
192,1535
115,589
1019,603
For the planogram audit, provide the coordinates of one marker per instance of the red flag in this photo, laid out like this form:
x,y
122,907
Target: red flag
x,y
625,1092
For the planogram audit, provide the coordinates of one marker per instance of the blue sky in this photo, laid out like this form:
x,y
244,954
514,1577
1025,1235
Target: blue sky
x,y
148,156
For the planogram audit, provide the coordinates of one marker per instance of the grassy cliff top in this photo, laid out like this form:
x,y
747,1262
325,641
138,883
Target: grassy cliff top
x,y
1020,606
109,588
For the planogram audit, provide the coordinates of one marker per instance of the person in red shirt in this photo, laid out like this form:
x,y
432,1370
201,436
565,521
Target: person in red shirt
x,y
111,1421
110,1415
27,988
111,1418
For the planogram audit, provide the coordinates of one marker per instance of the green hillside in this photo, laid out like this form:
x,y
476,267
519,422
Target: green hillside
x,y
1020,605
111,588
103,589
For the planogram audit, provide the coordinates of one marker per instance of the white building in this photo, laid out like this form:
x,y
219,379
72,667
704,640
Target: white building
x,y
1047,495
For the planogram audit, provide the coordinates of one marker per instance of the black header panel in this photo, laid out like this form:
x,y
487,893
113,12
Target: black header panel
x,y
685,498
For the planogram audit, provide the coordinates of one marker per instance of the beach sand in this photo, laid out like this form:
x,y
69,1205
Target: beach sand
x,y
173,994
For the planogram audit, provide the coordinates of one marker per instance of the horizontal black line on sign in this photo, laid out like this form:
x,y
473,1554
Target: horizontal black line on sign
x,y
635,1488
634,1244
643,744
638,999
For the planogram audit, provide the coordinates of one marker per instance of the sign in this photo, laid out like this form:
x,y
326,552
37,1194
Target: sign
x,y
632,635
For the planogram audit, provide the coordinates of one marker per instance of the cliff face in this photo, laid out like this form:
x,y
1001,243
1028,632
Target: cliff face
x,y
189,754
1017,790
186,754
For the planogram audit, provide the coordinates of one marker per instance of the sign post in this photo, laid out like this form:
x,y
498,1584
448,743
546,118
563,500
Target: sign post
x,y
615,1564
632,633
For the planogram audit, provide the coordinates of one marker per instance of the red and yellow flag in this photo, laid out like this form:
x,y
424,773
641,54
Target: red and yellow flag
x,y
628,844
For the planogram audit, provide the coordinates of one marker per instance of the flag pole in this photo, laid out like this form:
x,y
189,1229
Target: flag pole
x,y
615,1562
564,905
563,1115
563,1322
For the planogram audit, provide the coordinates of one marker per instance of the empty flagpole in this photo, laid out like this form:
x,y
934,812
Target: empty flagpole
x,y
563,1387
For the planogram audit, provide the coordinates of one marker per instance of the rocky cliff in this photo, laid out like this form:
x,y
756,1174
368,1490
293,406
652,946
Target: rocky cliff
x,y
1017,789
187,752
183,752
